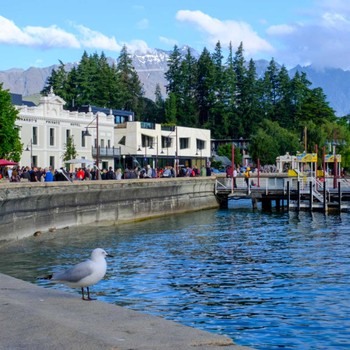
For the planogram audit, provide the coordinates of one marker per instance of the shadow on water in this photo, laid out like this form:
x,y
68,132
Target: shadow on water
x,y
267,280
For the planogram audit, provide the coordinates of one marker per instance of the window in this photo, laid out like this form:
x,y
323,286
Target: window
x,y
52,137
102,144
184,142
35,135
35,160
166,142
147,141
200,144
67,135
109,143
122,141
52,162
83,139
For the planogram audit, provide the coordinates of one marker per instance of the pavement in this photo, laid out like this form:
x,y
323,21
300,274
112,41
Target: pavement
x,y
33,317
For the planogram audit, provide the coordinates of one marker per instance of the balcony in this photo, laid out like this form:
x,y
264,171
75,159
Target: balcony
x,y
111,152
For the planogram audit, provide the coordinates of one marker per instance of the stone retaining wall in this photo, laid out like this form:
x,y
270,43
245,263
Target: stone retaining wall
x,y
29,207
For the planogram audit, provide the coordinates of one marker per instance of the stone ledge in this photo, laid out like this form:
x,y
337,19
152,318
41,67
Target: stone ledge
x,y
33,317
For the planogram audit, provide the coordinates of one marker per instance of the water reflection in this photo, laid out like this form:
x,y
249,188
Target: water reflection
x,y
266,280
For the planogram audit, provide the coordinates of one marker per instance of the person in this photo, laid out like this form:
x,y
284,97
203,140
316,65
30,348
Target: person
x,y
14,176
110,175
234,178
118,174
34,174
48,175
80,174
247,176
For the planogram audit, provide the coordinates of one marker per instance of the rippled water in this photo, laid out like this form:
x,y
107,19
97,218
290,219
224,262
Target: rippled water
x,y
267,280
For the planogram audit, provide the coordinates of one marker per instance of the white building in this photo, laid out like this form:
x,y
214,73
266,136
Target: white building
x,y
160,145
44,130
120,141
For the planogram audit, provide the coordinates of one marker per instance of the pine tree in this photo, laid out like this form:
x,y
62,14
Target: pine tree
x,y
187,110
205,91
131,92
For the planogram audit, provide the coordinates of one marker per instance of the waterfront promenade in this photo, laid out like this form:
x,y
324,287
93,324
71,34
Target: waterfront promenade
x,y
38,318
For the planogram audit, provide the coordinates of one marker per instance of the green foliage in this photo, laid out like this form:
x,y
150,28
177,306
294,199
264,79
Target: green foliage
x,y
10,145
271,141
70,151
226,150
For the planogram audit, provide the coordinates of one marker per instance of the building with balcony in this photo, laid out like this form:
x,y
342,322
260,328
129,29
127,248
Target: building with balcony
x,y
107,137
161,146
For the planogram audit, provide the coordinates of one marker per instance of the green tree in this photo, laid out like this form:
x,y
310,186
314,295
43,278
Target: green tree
x,y
10,145
170,109
131,92
205,91
70,151
187,110
271,141
226,150
57,81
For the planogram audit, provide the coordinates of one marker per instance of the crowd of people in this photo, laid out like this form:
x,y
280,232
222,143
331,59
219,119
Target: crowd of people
x,y
48,174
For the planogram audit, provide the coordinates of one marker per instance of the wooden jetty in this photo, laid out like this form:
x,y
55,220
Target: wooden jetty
x,y
287,193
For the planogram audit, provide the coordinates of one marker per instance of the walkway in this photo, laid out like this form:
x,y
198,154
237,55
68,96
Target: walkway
x,y
38,318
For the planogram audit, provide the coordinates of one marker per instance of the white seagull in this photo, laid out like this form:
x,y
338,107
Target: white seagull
x,y
84,274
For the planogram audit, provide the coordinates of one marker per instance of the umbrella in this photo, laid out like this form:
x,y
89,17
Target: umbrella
x,y
80,161
4,162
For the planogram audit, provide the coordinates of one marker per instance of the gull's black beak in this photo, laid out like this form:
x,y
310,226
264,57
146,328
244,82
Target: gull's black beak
x,y
109,256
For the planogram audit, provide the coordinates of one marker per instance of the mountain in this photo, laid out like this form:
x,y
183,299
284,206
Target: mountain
x,y
152,66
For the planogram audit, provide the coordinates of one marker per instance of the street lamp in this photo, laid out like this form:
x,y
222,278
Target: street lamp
x,y
31,151
86,133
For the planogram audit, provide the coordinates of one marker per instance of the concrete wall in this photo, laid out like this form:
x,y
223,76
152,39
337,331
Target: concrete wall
x,y
29,207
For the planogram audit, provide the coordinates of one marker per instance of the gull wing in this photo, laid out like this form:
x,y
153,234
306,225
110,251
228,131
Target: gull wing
x,y
75,273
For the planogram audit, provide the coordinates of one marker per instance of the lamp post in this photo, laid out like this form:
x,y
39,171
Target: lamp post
x,y
86,133
335,170
31,152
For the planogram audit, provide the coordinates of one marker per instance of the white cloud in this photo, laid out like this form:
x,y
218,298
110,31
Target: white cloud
x,y
280,29
97,40
225,31
168,41
55,37
143,24
35,36
322,39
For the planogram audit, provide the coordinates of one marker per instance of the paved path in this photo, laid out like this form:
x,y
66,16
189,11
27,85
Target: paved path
x,y
32,317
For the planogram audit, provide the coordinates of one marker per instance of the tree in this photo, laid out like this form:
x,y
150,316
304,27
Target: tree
x,y
271,141
205,85
226,150
70,151
10,145
131,92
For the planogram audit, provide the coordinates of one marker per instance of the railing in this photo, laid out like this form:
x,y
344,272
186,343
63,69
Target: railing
x,y
106,152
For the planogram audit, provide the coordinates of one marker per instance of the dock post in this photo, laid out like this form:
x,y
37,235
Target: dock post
x,y
324,197
288,195
311,199
298,203
339,195
254,203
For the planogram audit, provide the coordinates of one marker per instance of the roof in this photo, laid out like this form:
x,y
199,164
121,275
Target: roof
x,y
223,159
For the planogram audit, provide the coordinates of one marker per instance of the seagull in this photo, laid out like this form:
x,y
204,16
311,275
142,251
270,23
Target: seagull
x,y
84,274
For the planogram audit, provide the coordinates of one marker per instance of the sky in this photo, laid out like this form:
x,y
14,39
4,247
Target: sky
x,y
36,33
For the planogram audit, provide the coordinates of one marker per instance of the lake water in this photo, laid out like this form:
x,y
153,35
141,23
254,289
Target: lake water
x,y
267,280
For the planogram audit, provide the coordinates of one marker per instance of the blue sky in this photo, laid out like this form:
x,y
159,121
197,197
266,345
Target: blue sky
x,y
38,33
